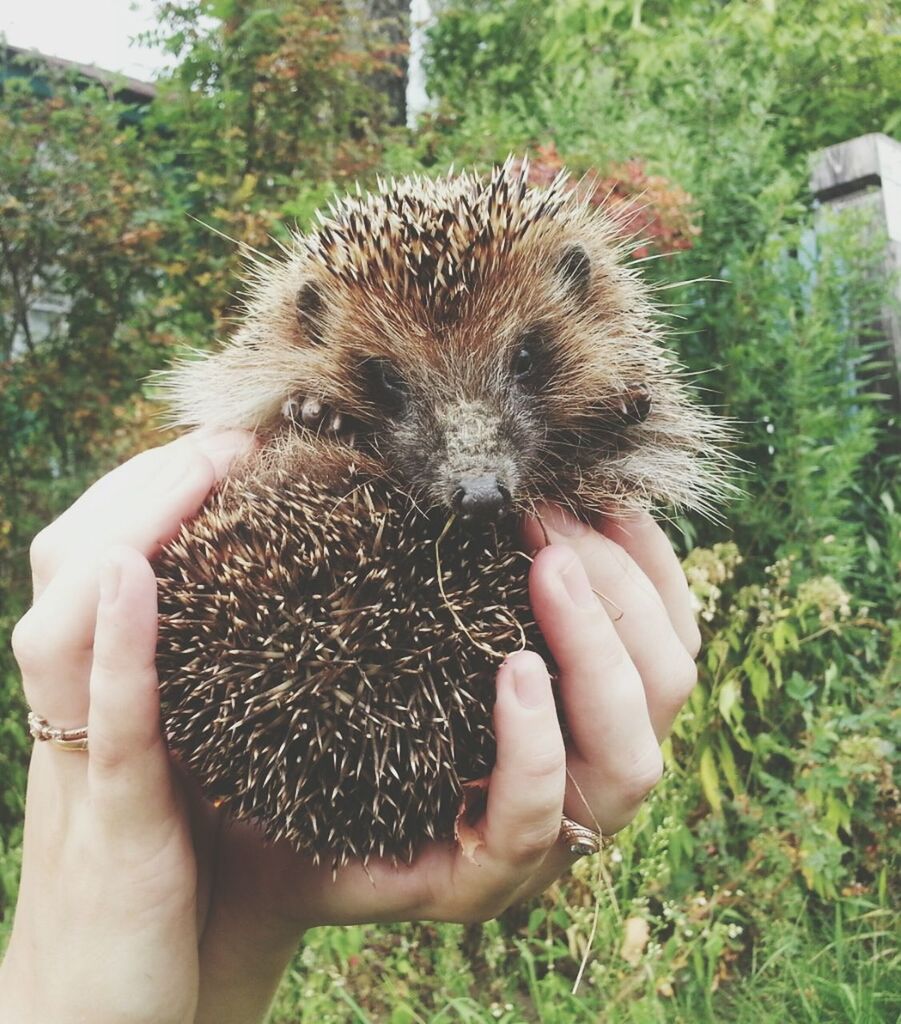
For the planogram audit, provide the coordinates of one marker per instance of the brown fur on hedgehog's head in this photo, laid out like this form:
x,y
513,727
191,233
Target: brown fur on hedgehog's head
x,y
481,337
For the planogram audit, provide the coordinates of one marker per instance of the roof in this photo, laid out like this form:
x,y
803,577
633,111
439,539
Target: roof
x,y
129,90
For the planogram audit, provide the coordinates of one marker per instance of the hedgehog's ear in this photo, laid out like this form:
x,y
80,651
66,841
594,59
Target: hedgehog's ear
x,y
574,272
310,308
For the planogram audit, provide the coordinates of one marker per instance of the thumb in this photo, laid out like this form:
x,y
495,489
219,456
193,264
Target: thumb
x,y
525,795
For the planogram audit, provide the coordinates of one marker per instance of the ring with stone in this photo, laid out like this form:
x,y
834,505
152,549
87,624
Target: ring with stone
x,y
580,840
65,739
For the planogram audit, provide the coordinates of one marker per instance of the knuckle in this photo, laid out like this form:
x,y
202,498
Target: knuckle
x,y
643,776
197,461
533,843
545,764
107,758
694,643
685,679
29,644
42,551
199,464
608,656
611,562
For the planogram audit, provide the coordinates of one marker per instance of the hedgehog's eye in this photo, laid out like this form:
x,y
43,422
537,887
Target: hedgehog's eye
x,y
530,347
524,363
310,306
386,385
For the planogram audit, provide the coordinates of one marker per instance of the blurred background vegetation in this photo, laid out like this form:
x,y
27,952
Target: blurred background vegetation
x,y
757,883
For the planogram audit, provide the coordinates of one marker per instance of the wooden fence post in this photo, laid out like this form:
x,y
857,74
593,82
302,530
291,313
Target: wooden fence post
x,y
865,173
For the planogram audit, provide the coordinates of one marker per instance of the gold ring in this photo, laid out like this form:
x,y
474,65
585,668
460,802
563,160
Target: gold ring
x,y
582,841
65,739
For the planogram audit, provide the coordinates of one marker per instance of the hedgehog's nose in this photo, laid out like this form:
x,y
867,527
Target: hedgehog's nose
x,y
480,497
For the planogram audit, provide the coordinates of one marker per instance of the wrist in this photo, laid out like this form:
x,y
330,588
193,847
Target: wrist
x,y
39,983
241,966
16,990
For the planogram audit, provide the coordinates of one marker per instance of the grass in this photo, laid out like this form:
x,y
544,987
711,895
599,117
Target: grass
x,y
819,967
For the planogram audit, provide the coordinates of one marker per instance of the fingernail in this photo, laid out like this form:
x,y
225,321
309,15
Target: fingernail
x,y
222,449
530,685
110,575
576,583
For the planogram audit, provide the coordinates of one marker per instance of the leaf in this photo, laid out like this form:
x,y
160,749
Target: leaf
x,y
784,635
536,919
760,680
710,781
466,826
727,763
730,693
838,815
799,688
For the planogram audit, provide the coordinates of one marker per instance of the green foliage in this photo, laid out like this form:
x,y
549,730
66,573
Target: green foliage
x,y
267,114
75,231
839,969
793,331
281,90
76,228
819,73
793,713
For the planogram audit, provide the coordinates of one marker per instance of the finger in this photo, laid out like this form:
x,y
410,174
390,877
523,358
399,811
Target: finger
x,y
521,824
116,497
603,697
53,640
638,614
648,546
128,765
525,793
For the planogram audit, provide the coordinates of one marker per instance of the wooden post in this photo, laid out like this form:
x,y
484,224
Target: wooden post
x,y
865,173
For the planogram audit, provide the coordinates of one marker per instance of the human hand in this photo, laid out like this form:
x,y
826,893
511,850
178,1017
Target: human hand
x,y
111,901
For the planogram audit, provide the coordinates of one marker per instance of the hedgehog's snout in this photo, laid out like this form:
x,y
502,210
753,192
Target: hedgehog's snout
x,y
481,497
475,465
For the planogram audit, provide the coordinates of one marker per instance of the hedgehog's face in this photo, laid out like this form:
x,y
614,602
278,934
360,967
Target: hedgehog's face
x,y
466,444
505,397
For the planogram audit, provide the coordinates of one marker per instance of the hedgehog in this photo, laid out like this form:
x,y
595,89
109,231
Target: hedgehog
x,y
431,361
